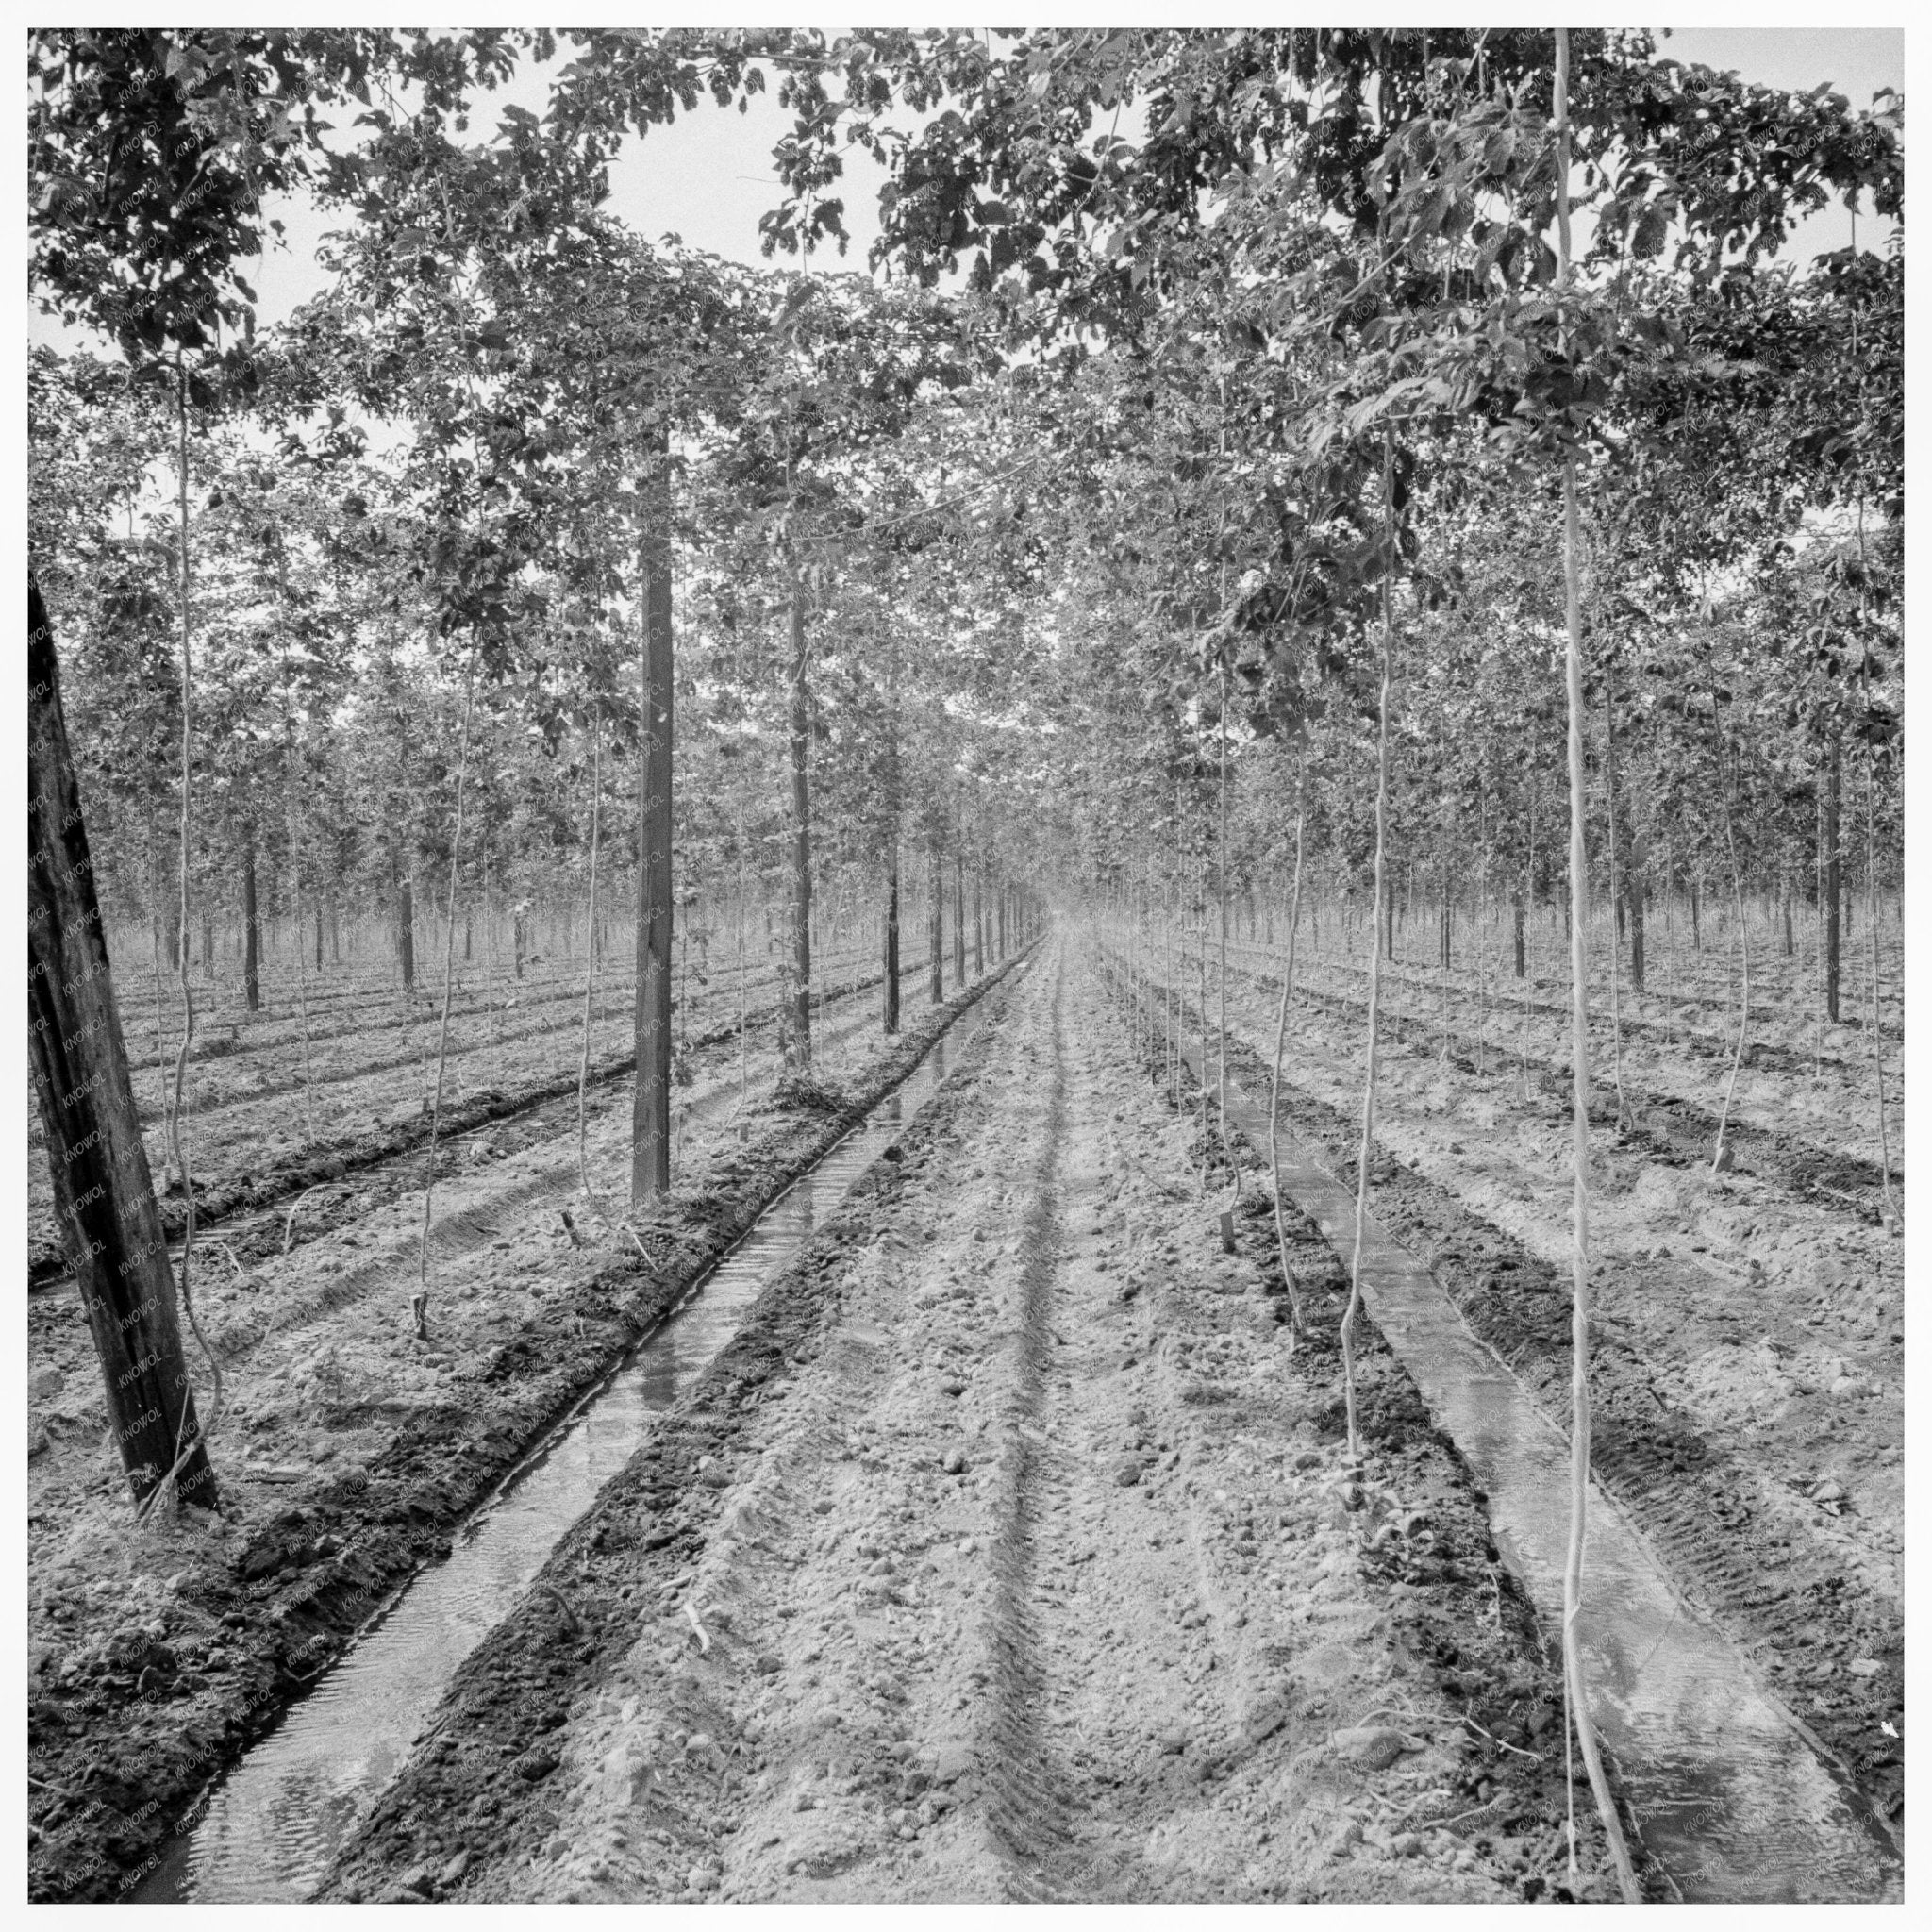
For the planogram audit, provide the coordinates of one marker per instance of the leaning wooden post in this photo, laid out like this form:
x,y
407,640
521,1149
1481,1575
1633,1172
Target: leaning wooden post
x,y
104,1197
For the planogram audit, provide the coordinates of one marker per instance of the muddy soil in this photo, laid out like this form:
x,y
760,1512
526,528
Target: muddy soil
x,y
1747,1364
155,1655
1008,1552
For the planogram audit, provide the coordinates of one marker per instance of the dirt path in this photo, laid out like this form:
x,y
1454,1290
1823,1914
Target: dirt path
x,y
1008,1554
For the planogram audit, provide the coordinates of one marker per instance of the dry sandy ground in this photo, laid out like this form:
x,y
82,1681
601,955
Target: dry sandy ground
x,y
1041,1580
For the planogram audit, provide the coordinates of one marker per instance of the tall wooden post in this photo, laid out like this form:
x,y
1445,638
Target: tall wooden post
x,y
251,943
891,959
650,1150
799,736
895,792
1834,884
935,916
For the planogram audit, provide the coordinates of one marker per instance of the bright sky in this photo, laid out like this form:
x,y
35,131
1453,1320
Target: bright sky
x,y
708,177
1857,61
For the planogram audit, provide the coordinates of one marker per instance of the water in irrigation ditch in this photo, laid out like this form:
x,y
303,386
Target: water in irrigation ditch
x,y
1738,1802
272,1824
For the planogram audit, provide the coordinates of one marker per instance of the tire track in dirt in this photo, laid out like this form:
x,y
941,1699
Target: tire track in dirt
x,y
1157,1732
1024,1567
1034,1824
